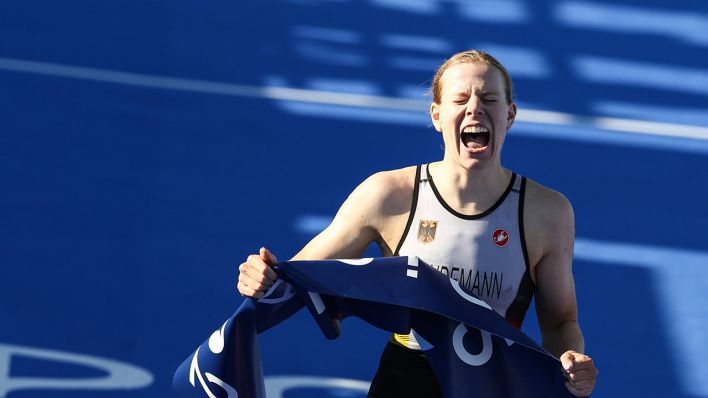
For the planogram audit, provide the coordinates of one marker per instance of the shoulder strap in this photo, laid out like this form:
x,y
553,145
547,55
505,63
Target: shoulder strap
x,y
414,203
518,181
517,310
423,172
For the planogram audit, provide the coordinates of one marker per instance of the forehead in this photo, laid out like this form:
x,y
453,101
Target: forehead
x,y
470,77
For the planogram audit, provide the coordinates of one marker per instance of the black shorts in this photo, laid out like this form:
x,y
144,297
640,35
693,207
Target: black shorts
x,y
404,373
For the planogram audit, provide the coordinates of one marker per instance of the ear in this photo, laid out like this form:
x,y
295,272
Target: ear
x,y
435,116
510,115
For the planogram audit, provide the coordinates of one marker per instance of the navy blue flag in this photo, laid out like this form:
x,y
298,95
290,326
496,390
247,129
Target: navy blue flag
x,y
472,349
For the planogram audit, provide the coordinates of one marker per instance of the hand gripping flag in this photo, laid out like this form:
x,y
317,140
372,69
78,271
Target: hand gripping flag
x,y
472,349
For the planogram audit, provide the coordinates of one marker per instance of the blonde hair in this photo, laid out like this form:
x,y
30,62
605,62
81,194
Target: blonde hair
x,y
473,57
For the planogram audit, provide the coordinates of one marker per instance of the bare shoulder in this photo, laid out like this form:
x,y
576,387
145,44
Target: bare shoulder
x,y
546,206
383,203
549,222
369,214
387,192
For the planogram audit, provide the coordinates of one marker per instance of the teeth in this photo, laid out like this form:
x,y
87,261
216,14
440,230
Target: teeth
x,y
475,129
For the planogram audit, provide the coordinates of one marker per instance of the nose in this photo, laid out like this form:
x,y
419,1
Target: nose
x,y
474,106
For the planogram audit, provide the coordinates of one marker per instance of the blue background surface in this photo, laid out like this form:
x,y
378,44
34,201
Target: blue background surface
x,y
128,201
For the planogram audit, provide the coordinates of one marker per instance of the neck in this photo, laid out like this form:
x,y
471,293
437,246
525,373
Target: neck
x,y
470,190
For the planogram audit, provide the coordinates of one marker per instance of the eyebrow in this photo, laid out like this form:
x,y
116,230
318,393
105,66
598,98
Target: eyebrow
x,y
483,93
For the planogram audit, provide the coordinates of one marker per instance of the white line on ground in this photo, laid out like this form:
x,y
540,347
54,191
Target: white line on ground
x,y
532,116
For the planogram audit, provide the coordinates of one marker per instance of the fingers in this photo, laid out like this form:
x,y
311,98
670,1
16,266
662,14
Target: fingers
x,y
259,270
252,283
256,275
567,360
578,392
248,291
267,256
581,373
583,378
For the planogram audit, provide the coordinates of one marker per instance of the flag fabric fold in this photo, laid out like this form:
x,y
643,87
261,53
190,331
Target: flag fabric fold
x,y
472,349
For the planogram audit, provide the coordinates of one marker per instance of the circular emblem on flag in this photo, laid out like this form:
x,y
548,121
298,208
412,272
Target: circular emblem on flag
x,y
500,237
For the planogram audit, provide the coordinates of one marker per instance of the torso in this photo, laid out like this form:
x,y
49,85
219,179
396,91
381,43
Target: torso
x,y
396,210
485,253
546,222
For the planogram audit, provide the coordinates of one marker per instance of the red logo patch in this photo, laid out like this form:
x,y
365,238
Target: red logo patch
x,y
500,237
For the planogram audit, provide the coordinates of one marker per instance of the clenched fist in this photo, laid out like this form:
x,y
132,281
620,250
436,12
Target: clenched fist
x,y
255,275
581,373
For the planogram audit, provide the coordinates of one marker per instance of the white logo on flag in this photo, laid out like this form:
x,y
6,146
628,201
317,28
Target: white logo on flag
x,y
472,359
194,370
216,346
456,285
356,261
287,293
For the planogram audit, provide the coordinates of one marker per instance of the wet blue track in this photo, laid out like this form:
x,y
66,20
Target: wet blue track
x,y
128,199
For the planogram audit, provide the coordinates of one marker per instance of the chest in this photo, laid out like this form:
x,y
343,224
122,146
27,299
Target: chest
x,y
485,254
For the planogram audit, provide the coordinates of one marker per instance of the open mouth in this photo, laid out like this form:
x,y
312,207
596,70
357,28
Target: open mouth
x,y
475,138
